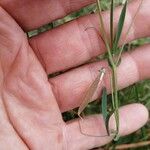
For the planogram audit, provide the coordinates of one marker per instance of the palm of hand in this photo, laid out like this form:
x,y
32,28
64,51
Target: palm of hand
x,y
26,95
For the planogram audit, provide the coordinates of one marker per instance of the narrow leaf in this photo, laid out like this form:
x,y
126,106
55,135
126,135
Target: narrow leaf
x,y
120,26
90,92
123,45
107,121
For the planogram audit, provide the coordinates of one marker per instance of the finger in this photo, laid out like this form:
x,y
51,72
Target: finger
x,y
42,12
11,37
129,123
70,88
71,43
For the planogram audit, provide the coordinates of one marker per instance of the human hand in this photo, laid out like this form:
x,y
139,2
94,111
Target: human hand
x,y
31,105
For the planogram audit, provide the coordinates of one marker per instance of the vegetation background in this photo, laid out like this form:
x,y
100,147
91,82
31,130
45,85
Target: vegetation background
x,y
137,93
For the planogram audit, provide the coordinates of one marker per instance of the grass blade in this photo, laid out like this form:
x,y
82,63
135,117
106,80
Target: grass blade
x,y
105,113
122,47
107,122
120,26
91,91
104,104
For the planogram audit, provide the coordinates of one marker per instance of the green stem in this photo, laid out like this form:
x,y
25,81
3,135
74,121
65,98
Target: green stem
x,y
116,104
112,94
112,65
103,32
112,23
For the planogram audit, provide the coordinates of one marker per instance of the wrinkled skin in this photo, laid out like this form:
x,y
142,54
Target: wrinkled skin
x,y
30,104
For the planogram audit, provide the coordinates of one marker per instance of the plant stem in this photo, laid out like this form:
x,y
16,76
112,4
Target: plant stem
x,y
103,32
112,65
112,93
112,23
116,104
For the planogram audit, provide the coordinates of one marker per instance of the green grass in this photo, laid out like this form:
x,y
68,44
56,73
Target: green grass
x,y
137,93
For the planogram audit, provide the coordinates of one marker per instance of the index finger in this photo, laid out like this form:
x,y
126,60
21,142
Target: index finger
x,y
31,14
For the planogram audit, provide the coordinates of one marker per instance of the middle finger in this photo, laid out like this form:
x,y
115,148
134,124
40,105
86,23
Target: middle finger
x,y
70,45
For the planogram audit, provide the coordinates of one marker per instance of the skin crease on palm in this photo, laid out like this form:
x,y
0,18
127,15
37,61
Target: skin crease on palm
x,y
30,104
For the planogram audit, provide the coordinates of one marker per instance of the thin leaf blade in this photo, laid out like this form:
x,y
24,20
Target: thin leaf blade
x,y
120,26
123,45
107,121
